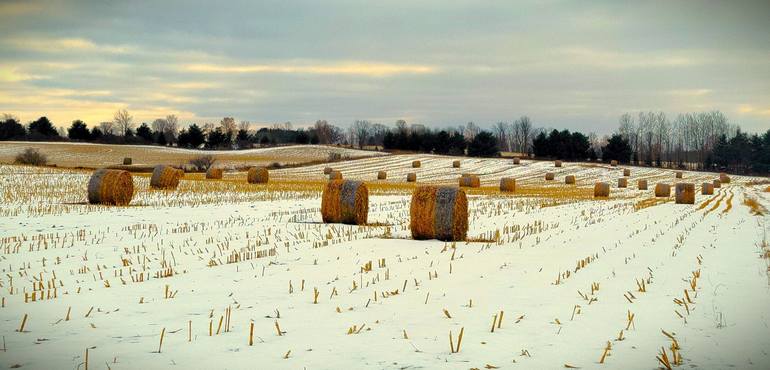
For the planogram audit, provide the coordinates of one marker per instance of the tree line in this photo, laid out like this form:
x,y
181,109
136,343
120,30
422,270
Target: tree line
x,y
704,140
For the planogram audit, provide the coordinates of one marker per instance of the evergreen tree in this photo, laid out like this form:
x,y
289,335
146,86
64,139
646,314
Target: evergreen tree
x,y
78,131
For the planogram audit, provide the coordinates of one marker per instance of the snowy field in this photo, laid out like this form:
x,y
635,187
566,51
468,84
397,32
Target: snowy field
x,y
552,279
99,155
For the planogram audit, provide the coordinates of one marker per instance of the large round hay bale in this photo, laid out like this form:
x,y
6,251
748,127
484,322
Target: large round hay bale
x,y
439,212
113,187
411,177
622,182
165,177
557,163
508,184
549,176
601,190
127,161
214,173
613,163
470,181
258,175
685,193
679,174
335,175
516,160
626,172
662,190
641,184
345,201
456,164
569,179
327,170
416,164
707,188
717,184
723,178
382,175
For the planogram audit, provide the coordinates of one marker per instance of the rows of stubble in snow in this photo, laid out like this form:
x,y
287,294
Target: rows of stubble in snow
x,y
574,282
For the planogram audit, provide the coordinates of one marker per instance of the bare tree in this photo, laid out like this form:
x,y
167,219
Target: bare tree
x,y
360,131
471,130
500,129
228,125
402,127
523,130
324,131
107,128
378,132
172,128
244,125
122,122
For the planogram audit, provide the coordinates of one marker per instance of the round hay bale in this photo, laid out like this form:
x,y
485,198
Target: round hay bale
x,y
626,172
569,179
622,182
439,212
685,193
456,164
723,178
549,176
717,184
335,175
258,175
516,160
679,174
557,163
327,170
113,187
662,190
345,201
707,188
214,173
470,181
613,163
382,175
411,177
601,190
508,184
642,184
416,164
127,161
165,177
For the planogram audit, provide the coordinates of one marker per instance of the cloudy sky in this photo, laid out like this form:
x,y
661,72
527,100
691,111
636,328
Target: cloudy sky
x,y
566,64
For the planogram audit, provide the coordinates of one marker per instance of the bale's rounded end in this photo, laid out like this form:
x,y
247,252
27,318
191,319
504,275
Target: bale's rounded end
x,y
111,187
165,177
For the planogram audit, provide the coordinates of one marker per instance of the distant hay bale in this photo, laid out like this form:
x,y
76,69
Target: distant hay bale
x,y
679,174
345,201
335,175
622,182
411,177
516,160
569,179
165,177
214,173
416,164
456,164
508,184
382,175
557,163
601,190
113,187
327,170
685,193
439,212
549,176
707,188
626,172
717,184
723,178
662,190
613,163
642,184
127,161
470,181
258,175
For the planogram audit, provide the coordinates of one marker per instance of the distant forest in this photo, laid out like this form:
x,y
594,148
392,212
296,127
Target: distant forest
x,y
695,141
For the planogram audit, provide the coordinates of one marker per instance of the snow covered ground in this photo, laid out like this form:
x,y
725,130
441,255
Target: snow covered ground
x,y
562,277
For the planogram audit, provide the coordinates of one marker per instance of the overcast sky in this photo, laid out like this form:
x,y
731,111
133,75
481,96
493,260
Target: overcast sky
x,y
566,64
